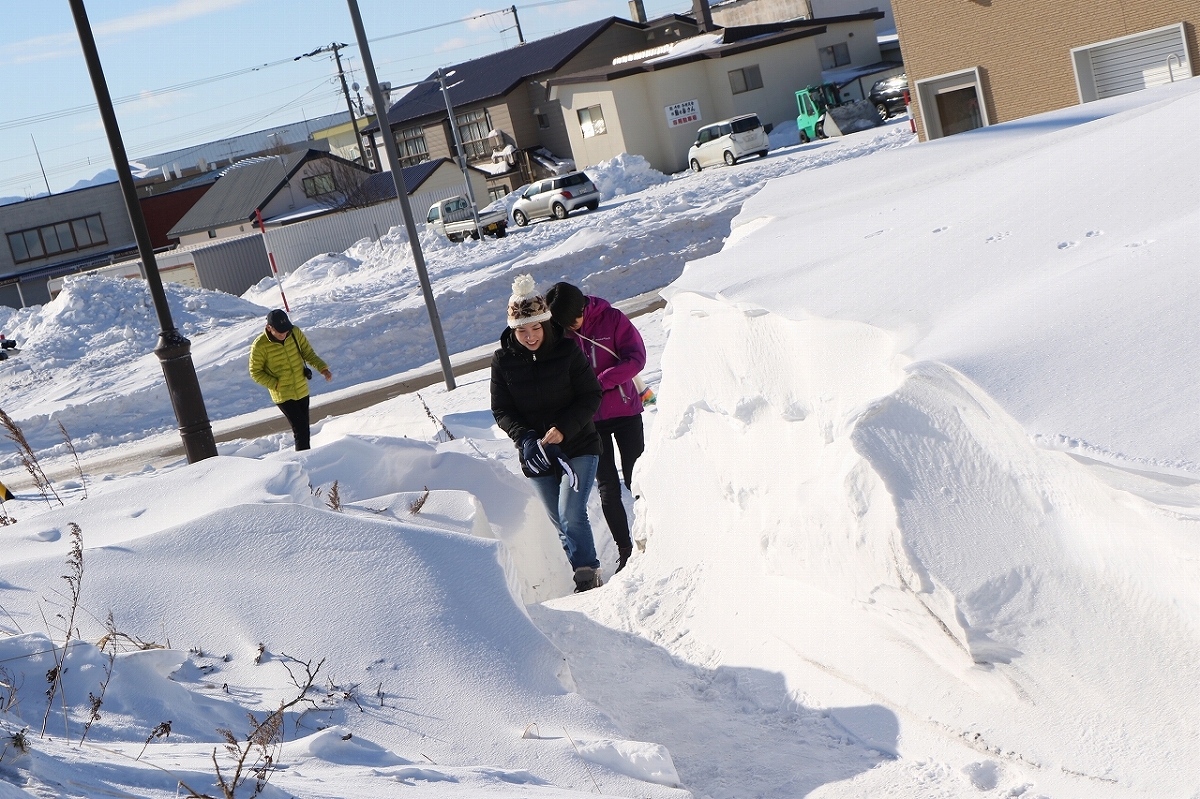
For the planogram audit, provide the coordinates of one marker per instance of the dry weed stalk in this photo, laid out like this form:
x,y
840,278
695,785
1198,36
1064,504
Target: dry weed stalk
x,y
257,755
94,702
75,455
112,637
442,429
54,675
13,433
345,694
17,740
415,506
334,500
10,688
163,730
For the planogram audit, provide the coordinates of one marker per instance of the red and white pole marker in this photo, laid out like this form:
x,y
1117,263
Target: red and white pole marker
x,y
271,257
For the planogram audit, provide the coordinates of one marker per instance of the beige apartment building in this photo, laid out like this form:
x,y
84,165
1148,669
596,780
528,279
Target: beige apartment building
x,y
972,63
652,103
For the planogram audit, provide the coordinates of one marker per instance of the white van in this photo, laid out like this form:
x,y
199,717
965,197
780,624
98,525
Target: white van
x,y
728,140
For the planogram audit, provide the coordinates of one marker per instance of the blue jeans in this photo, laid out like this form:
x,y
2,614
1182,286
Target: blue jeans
x,y
568,510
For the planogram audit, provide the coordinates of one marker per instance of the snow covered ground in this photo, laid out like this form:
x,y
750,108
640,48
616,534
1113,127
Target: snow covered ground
x,y
920,506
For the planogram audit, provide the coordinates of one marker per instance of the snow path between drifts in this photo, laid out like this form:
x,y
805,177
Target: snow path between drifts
x,y
897,499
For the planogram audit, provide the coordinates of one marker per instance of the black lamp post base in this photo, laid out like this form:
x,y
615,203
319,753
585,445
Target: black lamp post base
x,y
175,353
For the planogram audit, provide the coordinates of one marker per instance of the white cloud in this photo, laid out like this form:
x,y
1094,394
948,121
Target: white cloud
x,y
451,44
164,15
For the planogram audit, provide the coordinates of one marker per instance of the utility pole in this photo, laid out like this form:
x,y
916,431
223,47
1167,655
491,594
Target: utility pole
x,y
462,156
393,159
517,20
336,48
173,350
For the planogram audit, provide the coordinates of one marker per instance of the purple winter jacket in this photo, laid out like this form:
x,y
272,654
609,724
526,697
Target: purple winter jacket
x,y
605,328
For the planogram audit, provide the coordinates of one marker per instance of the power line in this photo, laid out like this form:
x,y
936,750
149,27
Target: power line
x,y
240,122
79,109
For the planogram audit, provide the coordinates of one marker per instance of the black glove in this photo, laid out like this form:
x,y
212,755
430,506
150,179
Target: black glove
x,y
533,458
555,454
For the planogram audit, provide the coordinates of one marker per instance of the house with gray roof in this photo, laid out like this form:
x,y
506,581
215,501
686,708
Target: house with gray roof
x,y
507,122
275,186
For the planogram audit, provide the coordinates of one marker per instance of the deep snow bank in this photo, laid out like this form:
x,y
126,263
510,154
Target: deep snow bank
x,y
882,530
428,653
857,425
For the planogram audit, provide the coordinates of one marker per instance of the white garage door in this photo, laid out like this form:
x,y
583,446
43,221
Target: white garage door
x,y
1137,62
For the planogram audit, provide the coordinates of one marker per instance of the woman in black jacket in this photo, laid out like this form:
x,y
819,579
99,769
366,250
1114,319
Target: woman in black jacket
x,y
544,395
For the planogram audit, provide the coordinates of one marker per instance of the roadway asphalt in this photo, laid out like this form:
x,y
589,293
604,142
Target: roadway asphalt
x,y
171,449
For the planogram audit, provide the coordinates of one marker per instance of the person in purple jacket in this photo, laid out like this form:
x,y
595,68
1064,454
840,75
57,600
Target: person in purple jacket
x,y
615,350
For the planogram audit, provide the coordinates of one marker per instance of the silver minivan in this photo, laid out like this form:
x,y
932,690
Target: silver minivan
x,y
728,141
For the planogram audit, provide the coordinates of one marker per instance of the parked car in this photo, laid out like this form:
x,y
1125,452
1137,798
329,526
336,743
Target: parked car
x,y
887,95
453,218
728,140
557,197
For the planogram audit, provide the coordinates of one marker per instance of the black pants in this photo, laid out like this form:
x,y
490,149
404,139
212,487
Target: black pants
x,y
296,412
627,432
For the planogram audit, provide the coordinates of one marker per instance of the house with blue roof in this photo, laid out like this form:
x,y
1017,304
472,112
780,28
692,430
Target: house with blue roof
x,y
509,126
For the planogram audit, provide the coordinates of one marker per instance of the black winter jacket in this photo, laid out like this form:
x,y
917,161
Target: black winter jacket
x,y
553,386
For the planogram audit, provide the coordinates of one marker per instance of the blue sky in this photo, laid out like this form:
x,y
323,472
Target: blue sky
x,y
160,58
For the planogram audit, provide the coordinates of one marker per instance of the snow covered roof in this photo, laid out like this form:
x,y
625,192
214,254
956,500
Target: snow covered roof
x,y
727,42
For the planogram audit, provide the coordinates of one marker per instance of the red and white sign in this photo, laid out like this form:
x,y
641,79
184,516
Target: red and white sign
x,y
683,113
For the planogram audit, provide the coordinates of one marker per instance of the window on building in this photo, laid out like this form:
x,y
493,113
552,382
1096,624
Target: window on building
x,y
410,142
497,192
746,79
835,55
591,121
543,121
320,184
473,129
60,237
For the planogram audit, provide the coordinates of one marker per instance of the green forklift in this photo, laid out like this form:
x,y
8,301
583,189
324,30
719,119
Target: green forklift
x,y
823,113
812,102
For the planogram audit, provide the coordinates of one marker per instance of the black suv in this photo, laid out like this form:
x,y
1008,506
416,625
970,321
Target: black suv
x,y
887,95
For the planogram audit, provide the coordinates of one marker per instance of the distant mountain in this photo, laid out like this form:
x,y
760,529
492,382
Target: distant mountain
x,y
107,176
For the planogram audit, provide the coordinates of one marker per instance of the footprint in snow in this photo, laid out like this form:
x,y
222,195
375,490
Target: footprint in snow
x,y
1066,245
997,237
1091,234
873,235
940,229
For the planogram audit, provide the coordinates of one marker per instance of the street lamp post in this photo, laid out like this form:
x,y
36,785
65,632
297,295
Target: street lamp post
x,y
462,156
173,350
393,158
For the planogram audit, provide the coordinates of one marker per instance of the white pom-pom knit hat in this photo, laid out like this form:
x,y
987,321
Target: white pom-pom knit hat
x,y
526,305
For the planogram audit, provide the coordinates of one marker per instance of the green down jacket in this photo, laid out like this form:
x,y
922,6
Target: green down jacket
x,y
279,367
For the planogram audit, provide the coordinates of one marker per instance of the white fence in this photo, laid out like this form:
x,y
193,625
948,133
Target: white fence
x,y
296,243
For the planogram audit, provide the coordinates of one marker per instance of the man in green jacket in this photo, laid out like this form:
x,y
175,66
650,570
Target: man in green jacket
x,y
277,359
